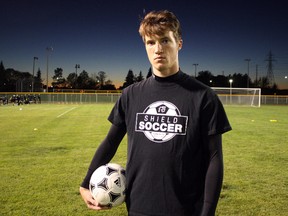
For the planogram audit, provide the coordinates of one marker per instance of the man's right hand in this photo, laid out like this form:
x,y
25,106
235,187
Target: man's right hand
x,y
90,202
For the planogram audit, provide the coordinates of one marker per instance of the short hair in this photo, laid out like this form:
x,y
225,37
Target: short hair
x,y
159,22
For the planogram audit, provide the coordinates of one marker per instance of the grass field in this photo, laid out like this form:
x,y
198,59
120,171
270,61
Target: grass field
x,y
46,149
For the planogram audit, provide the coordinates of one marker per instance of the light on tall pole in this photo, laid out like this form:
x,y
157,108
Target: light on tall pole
x,y
195,65
77,66
248,62
48,50
230,81
34,59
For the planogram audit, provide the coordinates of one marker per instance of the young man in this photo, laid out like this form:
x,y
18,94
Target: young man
x,y
174,125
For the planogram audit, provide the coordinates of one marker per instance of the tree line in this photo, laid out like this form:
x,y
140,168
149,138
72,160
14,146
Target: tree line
x,y
12,80
16,81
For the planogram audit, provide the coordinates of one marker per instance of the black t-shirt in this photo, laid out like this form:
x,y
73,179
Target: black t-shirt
x,y
167,120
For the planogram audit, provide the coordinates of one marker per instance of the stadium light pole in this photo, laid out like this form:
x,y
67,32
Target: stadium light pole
x,y
248,62
195,65
230,81
76,67
34,59
48,50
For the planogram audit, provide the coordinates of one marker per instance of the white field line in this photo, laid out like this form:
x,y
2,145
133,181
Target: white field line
x,y
66,112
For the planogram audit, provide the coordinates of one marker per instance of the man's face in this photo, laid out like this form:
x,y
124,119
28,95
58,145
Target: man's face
x,y
162,53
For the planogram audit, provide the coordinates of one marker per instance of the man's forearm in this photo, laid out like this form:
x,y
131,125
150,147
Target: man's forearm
x,y
105,152
214,178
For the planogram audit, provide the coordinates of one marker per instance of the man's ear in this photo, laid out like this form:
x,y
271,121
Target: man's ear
x,y
180,44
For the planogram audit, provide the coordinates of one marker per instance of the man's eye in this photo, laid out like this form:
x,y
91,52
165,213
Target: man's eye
x,y
165,41
150,43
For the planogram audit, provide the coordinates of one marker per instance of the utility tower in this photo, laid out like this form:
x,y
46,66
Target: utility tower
x,y
270,75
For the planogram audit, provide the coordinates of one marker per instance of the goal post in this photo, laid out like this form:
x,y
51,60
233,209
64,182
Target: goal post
x,y
239,96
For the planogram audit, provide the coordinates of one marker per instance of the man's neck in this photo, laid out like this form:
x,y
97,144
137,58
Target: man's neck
x,y
164,73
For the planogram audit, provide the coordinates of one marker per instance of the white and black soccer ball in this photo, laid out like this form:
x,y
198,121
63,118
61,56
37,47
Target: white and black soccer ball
x,y
107,185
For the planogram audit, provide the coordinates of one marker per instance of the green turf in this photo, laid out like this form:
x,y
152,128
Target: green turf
x,y
46,149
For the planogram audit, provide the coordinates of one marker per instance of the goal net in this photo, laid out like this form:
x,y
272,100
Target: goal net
x,y
239,96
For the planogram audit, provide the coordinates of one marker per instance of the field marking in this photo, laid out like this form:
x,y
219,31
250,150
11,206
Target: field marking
x,y
66,112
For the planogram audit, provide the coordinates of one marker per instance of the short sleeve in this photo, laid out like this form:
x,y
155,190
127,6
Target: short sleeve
x,y
117,114
213,116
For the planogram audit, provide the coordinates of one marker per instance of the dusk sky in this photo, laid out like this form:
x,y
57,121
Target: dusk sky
x,y
102,35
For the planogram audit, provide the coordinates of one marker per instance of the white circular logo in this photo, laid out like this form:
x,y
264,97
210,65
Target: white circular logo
x,y
161,121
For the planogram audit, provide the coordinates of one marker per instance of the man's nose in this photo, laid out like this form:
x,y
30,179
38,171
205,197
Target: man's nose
x,y
158,48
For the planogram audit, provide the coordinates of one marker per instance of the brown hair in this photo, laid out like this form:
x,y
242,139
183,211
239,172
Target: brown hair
x,y
159,22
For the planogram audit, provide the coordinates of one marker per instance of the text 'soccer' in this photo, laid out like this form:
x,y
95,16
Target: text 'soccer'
x,y
161,121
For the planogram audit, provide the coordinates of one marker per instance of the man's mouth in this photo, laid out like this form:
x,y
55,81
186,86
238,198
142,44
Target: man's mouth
x,y
159,58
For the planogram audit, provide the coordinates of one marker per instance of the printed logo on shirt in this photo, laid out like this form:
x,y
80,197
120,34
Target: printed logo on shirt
x,y
161,121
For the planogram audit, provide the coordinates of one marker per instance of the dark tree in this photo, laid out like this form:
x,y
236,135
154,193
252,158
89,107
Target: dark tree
x,y
240,80
140,77
58,74
108,86
149,73
58,79
205,77
101,78
38,82
82,80
130,79
2,77
72,80
220,81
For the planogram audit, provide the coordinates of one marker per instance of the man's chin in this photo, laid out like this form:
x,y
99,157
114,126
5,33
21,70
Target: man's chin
x,y
160,67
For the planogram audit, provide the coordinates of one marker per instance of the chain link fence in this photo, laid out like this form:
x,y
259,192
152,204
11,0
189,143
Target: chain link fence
x,y
108,97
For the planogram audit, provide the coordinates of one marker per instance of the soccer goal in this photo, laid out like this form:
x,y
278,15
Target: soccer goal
x,y
239,96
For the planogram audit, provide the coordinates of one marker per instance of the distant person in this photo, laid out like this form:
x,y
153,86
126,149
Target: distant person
x,y
39,98
174,125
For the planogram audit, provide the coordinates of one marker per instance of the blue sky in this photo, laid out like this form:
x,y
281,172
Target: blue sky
x,y
103,36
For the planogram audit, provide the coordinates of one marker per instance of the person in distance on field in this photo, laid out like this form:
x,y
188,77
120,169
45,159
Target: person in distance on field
x,y
174,125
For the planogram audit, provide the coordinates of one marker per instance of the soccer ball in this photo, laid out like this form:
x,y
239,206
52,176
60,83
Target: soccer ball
x,y
107,185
